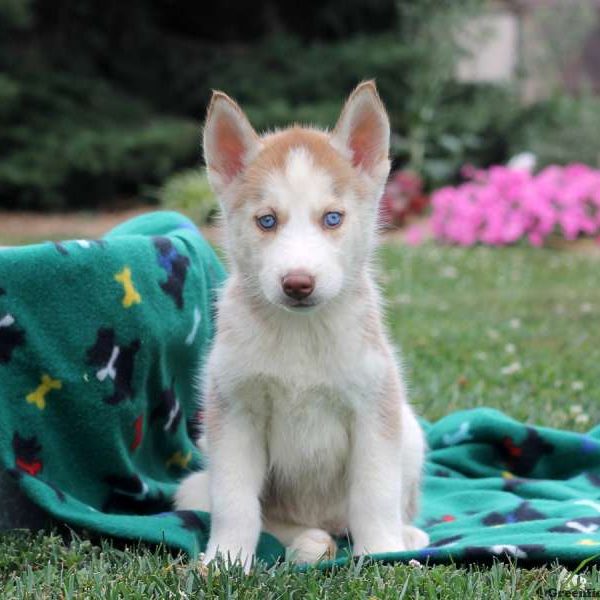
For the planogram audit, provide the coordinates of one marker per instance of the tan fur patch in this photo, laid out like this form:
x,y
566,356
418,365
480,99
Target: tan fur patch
x,y
373,332
274,154
390,407
213,416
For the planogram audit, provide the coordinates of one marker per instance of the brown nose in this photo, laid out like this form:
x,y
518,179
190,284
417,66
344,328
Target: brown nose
x,y
298,285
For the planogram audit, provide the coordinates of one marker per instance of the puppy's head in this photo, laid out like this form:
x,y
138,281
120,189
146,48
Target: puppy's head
x,y
300,205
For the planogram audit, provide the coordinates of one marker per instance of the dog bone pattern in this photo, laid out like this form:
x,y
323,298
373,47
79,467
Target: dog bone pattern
x,y
38,397
131,294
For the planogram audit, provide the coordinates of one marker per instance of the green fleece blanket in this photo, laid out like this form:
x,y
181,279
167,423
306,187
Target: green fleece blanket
x,y
100,345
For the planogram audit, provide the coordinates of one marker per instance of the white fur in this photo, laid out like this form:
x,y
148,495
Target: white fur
x,y
300,446
301,245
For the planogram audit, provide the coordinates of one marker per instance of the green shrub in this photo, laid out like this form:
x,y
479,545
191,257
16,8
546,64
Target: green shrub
x,y
560,130
189,192
69,142
471,124
15,14
84,96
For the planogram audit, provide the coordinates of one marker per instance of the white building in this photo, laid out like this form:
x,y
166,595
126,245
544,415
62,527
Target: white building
x,y
541,44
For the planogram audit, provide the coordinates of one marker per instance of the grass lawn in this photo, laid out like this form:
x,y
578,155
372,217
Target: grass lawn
x,y
515,329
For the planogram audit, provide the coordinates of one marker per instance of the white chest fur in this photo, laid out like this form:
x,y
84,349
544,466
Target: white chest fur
x,y
304,386
328,352
307,431
307,436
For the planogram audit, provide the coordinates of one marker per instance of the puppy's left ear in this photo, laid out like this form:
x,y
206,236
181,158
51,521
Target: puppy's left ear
x,y
363,131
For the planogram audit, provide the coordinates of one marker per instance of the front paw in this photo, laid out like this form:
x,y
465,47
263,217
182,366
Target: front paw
x,y
414,538
230,554
410,538
380,545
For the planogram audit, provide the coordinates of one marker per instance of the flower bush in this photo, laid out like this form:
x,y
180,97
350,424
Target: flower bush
x,y
503,205
403,197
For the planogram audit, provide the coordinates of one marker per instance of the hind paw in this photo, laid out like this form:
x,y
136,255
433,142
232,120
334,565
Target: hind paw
x,y
311,546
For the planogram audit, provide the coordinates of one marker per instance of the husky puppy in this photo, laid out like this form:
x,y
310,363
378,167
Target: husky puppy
x,y
308,430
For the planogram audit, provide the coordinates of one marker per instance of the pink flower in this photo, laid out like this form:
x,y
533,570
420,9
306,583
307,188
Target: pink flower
x,y
415,235
403,196
500,206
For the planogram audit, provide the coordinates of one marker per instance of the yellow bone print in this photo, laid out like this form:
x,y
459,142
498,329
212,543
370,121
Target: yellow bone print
x,y
179,459
131,294
38,397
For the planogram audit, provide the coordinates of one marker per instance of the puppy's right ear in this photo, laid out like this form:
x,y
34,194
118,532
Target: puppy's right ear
x,y
230,142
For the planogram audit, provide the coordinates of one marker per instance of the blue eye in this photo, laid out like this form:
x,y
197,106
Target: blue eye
x,y
332,219
267,222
